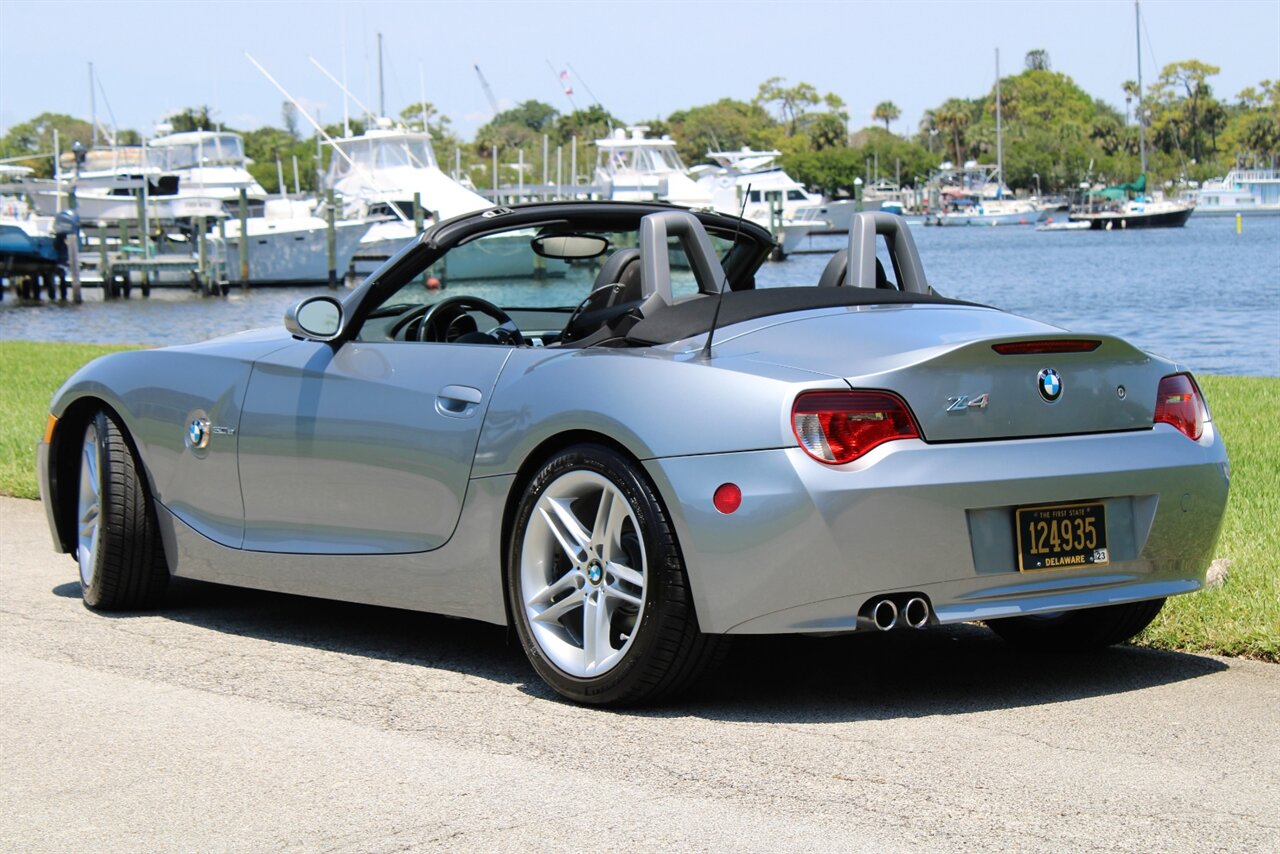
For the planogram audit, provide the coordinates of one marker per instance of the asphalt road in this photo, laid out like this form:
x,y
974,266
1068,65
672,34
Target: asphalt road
x,y
246,721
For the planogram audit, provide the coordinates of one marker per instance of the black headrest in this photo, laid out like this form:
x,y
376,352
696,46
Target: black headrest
x,y
836,273
616,266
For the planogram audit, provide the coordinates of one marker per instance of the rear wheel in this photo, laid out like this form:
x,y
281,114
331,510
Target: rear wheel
x,y
118,547
596,584
1069,631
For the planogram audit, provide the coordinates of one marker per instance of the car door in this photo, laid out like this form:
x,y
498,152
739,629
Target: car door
x,y
362,450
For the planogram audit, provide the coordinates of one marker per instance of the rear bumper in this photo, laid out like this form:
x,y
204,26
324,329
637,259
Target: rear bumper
x,y
812,544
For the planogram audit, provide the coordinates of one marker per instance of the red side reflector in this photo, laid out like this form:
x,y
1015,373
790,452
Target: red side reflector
x,y
727,498
840,426
1178,402
1038,348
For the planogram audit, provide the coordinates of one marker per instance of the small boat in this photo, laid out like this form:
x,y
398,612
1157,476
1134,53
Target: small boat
x,y
1063,225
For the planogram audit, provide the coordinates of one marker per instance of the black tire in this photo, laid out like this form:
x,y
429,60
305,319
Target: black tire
x,y
663,650
125,568
1074,631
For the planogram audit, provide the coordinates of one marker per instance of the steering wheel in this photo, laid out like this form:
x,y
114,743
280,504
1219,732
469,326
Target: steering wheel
x,y
435,323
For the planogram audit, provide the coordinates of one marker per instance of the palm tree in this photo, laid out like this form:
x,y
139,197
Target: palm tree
x,y
953,117
886,111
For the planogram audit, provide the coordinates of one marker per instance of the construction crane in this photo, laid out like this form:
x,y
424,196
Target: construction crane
x,y
488,93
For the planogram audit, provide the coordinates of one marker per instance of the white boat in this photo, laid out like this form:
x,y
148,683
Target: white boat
x,y
209,165
1063,225
108,183
1241,191
377,178
748,182
288,245
974,195
377,174
633,167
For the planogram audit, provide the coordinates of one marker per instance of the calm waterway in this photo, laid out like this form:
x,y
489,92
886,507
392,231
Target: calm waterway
x,y
1202,294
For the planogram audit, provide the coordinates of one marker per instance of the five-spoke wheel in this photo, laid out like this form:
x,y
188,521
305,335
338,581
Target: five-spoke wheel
x,y
596,585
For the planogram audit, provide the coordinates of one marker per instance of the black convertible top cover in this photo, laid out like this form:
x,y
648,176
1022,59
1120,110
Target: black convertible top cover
x,y
693,316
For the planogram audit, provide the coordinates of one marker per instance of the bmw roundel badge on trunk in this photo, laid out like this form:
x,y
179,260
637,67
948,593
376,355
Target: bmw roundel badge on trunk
x,y
1050,385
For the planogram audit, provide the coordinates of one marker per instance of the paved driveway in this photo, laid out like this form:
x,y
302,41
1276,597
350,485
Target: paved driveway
x,y
251,721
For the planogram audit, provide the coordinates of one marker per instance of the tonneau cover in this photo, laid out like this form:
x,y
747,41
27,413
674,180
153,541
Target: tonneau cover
x,y
693,316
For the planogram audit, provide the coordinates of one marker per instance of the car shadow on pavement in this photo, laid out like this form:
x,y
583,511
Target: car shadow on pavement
x,y
886,675
910,673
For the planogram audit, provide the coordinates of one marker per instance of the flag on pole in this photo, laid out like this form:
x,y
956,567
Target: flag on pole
x,y
564,82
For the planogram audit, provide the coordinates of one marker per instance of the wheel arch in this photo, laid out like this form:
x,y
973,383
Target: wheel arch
x,y
64,459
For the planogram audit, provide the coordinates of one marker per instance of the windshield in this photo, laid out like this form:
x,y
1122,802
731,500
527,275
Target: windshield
x,y
220,150
503,269
647,159
371,154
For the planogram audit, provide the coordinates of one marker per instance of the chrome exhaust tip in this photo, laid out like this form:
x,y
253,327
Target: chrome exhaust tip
x,y
884,614
916,613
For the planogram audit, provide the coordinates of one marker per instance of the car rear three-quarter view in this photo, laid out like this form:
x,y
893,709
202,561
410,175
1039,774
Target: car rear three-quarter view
x,y
679,458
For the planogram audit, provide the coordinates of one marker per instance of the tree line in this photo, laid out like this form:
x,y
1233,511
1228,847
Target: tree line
x,y
1055,135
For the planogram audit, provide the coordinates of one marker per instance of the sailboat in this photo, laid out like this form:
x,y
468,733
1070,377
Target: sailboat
x,y
980,198
1126,206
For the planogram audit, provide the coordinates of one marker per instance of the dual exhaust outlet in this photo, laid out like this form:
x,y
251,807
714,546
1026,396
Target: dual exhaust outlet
x,y
885,613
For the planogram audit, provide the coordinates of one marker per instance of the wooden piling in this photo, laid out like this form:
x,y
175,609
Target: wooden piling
x,y
331,240
244,239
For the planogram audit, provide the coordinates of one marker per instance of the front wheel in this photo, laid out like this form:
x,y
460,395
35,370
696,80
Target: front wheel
x,y
596,584
1071,631
122,564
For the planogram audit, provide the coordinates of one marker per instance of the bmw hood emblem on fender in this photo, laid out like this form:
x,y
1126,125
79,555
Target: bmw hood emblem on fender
x,y
1050,385
198,433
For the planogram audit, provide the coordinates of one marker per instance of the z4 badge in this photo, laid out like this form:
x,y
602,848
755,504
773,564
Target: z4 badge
x,y
962,402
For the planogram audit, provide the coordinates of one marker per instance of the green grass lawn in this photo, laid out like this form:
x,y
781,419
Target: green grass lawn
x,y
1241,617
30,372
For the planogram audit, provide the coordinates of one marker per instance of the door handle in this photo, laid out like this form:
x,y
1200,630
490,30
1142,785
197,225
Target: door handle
x,y
458,401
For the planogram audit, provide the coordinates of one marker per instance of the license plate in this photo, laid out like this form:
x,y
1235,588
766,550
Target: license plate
x,y
1062,536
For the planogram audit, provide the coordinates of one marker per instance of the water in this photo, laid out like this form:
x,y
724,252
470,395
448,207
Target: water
x,y
1201,295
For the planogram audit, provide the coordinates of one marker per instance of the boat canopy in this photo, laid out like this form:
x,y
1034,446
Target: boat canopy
x,y
376,151
1120,192
200,148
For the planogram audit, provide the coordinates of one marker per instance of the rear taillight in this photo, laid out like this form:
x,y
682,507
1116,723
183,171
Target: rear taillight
x,y
1178,402
840,426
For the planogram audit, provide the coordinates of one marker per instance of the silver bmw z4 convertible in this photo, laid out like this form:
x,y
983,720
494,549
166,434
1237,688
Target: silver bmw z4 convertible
x,y
584,420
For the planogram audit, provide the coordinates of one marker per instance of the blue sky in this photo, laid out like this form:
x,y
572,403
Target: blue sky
x,y
641,59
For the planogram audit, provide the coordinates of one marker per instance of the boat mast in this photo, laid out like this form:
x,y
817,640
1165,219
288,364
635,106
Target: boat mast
x,y
1142,136
382,101
93,108
999,139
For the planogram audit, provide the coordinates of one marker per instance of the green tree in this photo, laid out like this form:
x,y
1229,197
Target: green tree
x,y
725,125
953,119
192,118
589,124
1183,100
886,111
34,139
791,102
1037,60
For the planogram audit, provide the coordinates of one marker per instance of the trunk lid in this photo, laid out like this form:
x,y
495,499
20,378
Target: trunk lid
x,y
941,361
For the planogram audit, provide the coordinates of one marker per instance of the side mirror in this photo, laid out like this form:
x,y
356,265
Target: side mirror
x,y
318,318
